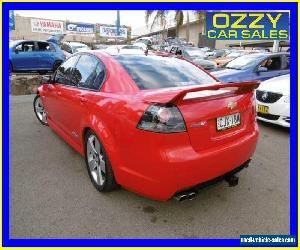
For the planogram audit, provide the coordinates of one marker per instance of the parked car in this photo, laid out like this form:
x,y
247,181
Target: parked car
x,y
73,47
145,40
29,55
222,61
125,49
273,101
194,54
137,120
215,54
141,46
100,46
160,47
258,66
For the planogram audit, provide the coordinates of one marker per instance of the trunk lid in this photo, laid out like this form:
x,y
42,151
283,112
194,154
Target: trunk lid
x,y
202,106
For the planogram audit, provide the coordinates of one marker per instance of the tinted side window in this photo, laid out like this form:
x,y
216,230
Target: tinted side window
x,y
25,47
89,72
64,71
273,63
43,46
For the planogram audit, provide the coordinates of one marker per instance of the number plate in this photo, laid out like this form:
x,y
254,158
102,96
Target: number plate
x,y
262,109
229,121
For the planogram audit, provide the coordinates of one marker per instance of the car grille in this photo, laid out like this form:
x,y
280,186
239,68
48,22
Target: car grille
x,y
267,97
268,116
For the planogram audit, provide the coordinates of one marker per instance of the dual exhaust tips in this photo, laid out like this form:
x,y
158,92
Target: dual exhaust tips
x,y
185,196
232,180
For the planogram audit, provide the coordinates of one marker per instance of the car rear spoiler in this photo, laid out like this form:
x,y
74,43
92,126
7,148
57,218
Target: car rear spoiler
x,y
237,88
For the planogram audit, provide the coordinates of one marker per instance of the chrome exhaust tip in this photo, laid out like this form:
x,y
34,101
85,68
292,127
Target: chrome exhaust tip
x,y
180,197
191,196
188,195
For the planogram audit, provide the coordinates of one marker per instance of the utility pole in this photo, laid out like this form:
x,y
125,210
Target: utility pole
x,y
276,46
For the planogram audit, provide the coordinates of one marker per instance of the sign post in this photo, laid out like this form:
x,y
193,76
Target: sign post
x,y
118,25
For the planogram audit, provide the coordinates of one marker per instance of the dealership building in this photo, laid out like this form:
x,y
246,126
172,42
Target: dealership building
x,y
30,28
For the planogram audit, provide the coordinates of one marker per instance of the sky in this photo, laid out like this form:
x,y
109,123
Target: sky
x,y
133,18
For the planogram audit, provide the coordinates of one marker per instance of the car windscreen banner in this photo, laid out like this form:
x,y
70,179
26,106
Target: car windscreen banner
x,y
80,28
247,25
47,26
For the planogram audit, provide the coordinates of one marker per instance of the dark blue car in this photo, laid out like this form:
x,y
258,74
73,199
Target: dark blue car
x,y
34,56
258,66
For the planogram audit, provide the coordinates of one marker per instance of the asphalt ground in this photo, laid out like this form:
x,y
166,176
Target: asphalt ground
x,y
51,195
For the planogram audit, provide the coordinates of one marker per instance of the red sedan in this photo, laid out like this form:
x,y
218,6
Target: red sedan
x,y
156,125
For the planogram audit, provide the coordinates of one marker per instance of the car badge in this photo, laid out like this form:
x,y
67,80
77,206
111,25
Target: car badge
x,y
231,105
199,124
264,96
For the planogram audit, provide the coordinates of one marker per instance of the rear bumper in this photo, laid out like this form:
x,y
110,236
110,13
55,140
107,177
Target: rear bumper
x,y
159,171
207,165
197,188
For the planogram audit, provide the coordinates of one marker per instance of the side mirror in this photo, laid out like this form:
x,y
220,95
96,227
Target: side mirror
x,y
262,69
46,79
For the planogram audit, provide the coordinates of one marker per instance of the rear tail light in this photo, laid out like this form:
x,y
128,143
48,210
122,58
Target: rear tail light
x,y
162,119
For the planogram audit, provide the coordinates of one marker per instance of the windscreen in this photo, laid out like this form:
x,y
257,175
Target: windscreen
x,y
154,72
245,61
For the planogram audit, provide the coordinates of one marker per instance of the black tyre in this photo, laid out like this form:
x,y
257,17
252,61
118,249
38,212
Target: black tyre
x,y
98,164
39,110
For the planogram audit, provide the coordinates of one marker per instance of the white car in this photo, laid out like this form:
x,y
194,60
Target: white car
x,y
273,101
140,45
73,47
123,49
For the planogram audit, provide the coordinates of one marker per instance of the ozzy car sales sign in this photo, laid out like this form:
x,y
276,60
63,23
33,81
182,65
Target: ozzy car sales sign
x,y
47,26
80,28
247,25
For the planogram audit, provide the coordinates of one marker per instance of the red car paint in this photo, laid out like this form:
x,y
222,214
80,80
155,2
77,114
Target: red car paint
x,y
155,165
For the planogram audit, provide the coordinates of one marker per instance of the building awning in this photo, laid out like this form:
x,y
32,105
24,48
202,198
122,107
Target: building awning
x,y
262,44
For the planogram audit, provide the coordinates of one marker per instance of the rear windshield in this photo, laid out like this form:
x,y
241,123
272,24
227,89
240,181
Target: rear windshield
x,y
154,72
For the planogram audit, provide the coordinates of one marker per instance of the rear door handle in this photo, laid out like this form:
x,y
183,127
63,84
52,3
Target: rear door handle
x,y
58,92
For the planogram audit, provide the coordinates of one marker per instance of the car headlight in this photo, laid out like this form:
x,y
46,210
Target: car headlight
x,y
286,98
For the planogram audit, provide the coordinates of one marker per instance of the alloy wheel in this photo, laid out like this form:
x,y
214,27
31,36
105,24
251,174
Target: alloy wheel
x,y
95,160
40,110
